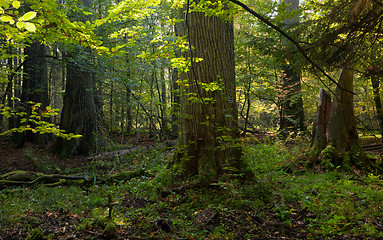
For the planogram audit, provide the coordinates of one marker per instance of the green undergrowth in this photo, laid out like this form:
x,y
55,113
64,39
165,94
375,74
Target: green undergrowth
x,y
284,200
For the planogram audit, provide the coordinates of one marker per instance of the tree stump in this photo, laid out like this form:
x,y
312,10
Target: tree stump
x,y
322,119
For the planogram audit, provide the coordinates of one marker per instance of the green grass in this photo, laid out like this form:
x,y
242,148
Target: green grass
x,y
326,203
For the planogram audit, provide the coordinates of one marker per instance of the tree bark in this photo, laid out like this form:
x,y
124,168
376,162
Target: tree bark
x,y
292,112
79,112
321,121
175,93
342,132
34,88
164,105
209,118
343,146
375,82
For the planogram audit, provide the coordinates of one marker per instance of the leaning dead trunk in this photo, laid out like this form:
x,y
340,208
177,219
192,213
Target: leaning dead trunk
x,y
321,121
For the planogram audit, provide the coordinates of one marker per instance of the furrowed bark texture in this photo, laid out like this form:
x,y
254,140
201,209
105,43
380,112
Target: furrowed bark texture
x,y
375,82
79,112
209,124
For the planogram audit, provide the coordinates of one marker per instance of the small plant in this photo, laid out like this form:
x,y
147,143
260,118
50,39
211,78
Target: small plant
x,y
35,120
36,234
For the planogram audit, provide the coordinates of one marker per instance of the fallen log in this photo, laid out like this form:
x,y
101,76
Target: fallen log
x,y
26,178
20,178
373,147
117,153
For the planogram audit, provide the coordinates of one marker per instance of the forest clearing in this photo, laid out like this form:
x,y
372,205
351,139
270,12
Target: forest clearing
x,y
191,119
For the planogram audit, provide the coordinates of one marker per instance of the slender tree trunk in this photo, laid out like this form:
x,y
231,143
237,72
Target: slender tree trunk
x,y
111,113
129,104
247,101
209,118
129,117
175,104
375,82
35,82
292,112
160,107
175,94
164,103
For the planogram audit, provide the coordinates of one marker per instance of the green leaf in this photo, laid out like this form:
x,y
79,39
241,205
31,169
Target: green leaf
x,y
16,4
30,27
28,16
6,114
6,18
20,25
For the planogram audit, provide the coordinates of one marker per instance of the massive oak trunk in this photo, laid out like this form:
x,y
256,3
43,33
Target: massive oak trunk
x,y
209,117
79,111
79,114
34,88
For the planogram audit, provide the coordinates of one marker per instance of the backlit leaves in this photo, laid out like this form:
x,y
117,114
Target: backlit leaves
x,y
36,122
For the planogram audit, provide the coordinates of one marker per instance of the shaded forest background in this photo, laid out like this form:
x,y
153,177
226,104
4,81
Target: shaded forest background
x,y
123,79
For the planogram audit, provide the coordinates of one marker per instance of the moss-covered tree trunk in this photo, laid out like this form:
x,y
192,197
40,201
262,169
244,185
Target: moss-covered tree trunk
x,y
208,102
342,132
343,146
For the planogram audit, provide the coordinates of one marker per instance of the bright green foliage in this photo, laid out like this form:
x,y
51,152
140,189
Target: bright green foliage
x,y
36,121
8,14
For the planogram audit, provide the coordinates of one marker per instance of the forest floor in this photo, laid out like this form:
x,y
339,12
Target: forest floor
x,y
285,201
